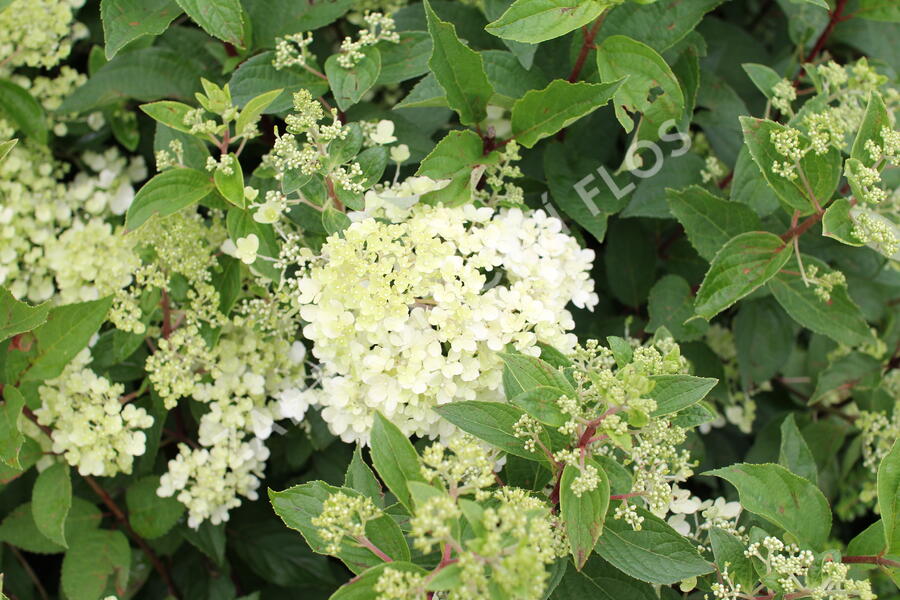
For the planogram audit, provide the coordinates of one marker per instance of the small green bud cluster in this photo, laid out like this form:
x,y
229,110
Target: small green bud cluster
x,y
378,27
343,517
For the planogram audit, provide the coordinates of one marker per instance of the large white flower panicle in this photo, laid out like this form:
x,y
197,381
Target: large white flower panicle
x,y
407,316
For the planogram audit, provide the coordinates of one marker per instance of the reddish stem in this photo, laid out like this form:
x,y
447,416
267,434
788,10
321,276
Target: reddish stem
x,y
871,560
835,18
367,543
589,36
625,496
167,314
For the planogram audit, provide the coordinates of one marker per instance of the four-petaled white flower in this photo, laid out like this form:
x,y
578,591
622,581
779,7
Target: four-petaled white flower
x,y
246,247
384,133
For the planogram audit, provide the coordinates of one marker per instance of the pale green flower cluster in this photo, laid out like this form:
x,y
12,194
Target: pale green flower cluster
x,y
787,570
469,468
499,190
514,543
377,27
91,260
42,215
342,517
310,156
38,33
92,429
442,292
880,430
210,481
292,50
237,380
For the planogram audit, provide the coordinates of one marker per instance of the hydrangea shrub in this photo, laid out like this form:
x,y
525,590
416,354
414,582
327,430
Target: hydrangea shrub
x,y
424,299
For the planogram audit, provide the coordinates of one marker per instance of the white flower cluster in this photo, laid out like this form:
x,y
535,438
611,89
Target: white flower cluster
x,y
715,513
38,33
52,234
410,315
243,371
91,427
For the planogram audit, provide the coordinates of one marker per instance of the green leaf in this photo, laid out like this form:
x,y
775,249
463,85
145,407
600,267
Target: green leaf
x,y
630,267
763,77
599,580
427,93
169,113
619,56
276,18
838,318
256,76
349,85
535,21
231,186
51,500
584,515
740,267
146,74
19,529
456,155
209,539
95,560
18,317
299,505
363,587
763,338
794,453
127,20
334,221
6,147
17,105
219,18
879,10
728,549
360,477
855,370
710,222
671,303
781,498
459,71
655,554
523,373
874,121
394,458
150,515
889,497
67,331
542,113
166,194
677,392
660,25
405,59
11,438
819,3
838,223
823,172
254,108
542,404
489,421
